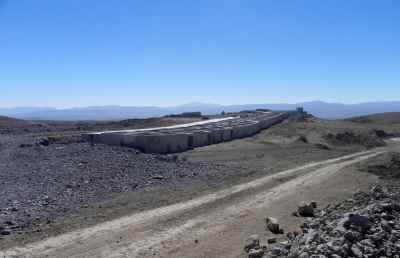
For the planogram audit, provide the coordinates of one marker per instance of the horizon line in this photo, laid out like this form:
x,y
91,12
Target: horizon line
x,y
198,103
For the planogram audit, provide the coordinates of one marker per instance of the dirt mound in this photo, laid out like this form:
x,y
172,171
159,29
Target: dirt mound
x,y
367,139
385,166
381,118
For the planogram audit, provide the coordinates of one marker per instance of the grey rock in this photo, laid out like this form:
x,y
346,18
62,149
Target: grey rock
x,y
273,225
305,209
313,204
252,242
357,220
5,232
158,177
356,251
304,255
256,253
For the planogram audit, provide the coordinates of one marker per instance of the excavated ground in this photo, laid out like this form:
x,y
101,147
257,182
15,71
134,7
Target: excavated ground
x,y
53,186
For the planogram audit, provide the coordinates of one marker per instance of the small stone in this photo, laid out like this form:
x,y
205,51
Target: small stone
x,y
271,240
305,210
5,232
273,225
386,226
304,255
351,236
158,177
9,223
356,251
277,251
44,142
314,204
256,253
290,235
252,242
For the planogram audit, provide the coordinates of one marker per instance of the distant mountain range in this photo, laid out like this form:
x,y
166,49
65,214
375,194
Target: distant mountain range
x,y
317,108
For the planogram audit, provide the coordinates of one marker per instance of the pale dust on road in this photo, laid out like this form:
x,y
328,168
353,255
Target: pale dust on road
x,y
171,231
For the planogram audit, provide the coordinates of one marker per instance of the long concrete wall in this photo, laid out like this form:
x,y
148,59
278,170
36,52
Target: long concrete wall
x,y
178,140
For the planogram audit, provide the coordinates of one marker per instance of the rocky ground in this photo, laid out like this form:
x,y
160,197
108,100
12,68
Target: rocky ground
x,y
53,182
40,181
367,225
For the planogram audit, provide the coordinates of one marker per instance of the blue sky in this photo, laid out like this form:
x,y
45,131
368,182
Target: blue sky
x,y
68,53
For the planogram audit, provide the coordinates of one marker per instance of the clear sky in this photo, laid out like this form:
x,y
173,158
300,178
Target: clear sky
x,y
65,53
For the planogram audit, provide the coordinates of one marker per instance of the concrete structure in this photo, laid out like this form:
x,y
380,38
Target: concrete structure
x,y
180,138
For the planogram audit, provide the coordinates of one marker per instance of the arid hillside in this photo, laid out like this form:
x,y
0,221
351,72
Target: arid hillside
x,y
391,118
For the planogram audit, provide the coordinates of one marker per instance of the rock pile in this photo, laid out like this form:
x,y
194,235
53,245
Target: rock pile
x,y
368,225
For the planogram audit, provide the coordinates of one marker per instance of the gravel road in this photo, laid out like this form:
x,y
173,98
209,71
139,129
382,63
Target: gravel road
x,y
172,231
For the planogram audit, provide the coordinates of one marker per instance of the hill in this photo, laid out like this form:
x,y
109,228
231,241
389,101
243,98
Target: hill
x,y
317,108
8,122
389,118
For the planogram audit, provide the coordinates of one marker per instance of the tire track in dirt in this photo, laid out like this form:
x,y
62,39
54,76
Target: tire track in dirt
x,y
133,235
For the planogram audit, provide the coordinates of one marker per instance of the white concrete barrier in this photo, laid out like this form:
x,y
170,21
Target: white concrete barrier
x,y
162,143
227,134
178,139
201,138
217,135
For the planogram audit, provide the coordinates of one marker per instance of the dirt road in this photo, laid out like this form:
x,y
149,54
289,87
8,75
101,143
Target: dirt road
x,y
214,225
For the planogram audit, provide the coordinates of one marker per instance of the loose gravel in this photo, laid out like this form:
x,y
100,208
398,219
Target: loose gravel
x,y
367,225
39,181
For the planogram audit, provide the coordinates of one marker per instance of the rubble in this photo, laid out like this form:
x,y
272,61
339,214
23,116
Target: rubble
x,y
52,181
366,226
